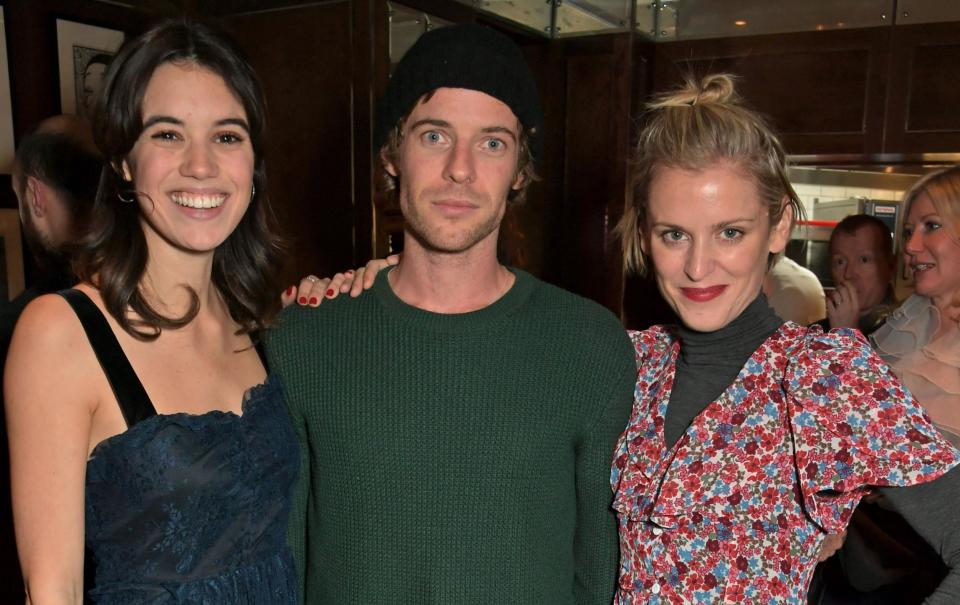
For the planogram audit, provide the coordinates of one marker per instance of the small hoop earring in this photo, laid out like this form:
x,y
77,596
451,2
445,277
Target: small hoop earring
x,y
253,191
126,193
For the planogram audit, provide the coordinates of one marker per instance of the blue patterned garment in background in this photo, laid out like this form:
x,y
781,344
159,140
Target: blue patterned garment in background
x,y
193,508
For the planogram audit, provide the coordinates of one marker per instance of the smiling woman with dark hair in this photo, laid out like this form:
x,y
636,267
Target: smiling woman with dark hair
x,y
141,418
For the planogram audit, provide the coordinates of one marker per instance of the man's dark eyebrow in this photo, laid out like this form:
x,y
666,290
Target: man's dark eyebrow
x,y
430,122
501,130
161,119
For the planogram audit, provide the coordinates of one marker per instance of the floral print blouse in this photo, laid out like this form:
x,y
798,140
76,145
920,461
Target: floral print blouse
x,y
736,510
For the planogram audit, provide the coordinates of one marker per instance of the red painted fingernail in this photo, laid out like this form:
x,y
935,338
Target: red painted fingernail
x,y
329,292
302,300
290,291
314,300
349,272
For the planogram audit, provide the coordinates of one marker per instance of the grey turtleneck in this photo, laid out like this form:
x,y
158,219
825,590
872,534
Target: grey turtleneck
x,y
710,361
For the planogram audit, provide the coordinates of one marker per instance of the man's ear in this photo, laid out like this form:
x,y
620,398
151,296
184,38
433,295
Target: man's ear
x,y
388,164
36,194
518,181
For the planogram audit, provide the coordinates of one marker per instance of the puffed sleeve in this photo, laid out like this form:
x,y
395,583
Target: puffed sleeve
x,y
632,465
854,426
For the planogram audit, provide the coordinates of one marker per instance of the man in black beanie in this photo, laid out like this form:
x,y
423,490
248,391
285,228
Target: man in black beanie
x,y
457,422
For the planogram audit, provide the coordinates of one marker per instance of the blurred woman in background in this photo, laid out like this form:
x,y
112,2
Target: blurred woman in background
x,y
921,340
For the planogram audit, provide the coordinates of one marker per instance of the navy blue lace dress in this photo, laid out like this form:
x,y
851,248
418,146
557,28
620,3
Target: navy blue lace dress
x,y
188,508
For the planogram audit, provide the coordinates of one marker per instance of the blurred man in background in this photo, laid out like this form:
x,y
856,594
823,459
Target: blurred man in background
x,y
55,175
863,265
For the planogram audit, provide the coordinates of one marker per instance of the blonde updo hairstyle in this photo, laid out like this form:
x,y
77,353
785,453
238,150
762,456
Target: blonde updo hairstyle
x,y
943,188
697,126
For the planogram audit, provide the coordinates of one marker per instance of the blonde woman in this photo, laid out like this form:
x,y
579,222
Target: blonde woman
x,y
750,438
921,340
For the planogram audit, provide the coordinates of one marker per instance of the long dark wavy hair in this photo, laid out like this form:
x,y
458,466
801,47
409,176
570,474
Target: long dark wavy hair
x,y
113,254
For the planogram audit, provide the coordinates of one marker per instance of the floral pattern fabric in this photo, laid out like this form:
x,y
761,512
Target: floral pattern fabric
x,y
736,510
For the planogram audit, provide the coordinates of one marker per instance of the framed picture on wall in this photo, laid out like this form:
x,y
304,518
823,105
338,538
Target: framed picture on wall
x,y
84,52
11,254
6,110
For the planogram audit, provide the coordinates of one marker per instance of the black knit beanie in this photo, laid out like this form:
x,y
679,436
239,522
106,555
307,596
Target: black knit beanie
x,y
463,56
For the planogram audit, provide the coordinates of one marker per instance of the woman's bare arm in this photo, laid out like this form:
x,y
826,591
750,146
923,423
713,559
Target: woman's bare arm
x,y
49,408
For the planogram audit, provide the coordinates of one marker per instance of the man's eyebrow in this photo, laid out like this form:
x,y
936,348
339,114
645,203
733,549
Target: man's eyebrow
x,y
501,130
430,122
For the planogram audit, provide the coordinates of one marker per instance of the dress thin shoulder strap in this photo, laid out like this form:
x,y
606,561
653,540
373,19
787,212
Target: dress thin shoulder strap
x,y
134,402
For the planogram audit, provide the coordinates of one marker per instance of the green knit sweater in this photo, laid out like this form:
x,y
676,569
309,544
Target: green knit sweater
x,y
457,459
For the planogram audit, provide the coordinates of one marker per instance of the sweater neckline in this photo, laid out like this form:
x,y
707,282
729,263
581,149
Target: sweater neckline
x,y
518,293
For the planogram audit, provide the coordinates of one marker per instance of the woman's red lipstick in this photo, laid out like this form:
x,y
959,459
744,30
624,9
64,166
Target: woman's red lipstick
x,y
703,294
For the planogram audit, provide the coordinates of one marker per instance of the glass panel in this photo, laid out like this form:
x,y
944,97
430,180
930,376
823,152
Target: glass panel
x,y
645,17
575,17
927,11
534,14
694,19
406,25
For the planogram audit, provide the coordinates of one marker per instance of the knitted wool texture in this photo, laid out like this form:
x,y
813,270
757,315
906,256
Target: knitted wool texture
x,y
455,458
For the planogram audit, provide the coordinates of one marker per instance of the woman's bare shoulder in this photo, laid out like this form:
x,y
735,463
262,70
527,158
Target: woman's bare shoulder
x,y
49,333
48,318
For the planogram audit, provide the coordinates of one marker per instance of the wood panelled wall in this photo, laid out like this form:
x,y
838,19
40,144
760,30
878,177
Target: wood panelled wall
x,y
823,90
304,58
589,182
924,93
883,90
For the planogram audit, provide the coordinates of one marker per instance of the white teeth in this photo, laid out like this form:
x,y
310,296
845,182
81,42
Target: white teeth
x,y
197,201
922,267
